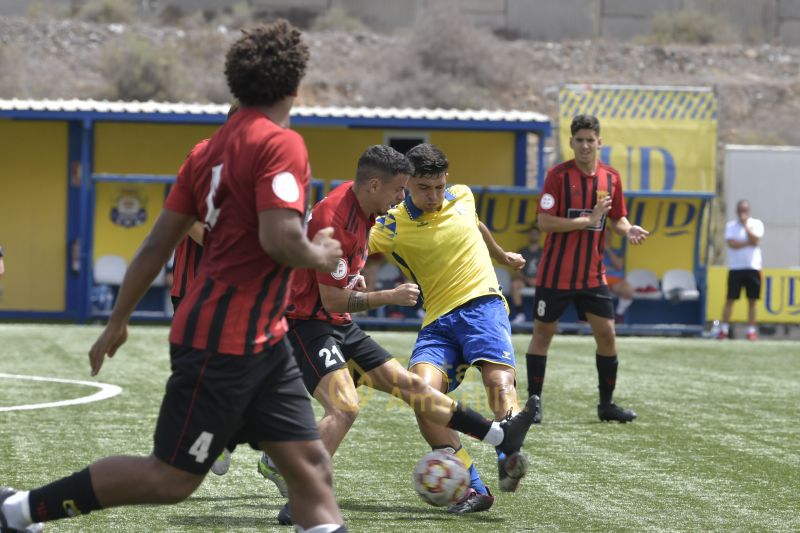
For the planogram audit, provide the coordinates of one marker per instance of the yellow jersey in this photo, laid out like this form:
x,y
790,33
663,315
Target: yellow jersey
x,y
442,252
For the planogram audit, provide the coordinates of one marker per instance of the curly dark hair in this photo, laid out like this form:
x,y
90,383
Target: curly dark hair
x,y
428,160
266,64
383,162
584,122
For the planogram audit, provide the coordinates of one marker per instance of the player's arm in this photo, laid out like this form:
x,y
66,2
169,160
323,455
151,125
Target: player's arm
x,y
512,259
556,224
753,238
282,236
148,261
634,234
196,232
344,300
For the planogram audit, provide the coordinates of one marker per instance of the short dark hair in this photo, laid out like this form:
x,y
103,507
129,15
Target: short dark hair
x,y
584,122
266,64
428,160
383,162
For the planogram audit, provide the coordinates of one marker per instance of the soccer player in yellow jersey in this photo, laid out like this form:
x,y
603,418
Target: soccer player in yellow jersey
x,y
436,239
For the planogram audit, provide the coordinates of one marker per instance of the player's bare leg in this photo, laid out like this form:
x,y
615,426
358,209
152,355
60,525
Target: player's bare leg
x,y
543,333
124,480
337,394
606,359
435,433
498,380
306,466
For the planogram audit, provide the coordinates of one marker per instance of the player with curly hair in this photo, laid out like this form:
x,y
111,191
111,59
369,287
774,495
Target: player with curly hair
x,y
233,375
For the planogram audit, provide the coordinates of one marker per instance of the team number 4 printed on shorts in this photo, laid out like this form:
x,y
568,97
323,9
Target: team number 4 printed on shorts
x,y
200,447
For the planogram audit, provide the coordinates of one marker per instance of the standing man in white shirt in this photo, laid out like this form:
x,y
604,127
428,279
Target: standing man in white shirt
x,y
743,237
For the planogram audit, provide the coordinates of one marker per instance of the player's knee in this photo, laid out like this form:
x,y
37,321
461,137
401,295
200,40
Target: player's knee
x,y
166,485
344,412
318,464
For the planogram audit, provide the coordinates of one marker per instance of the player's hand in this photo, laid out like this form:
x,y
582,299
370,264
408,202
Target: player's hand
x,y
601,208
515,260
112,337
405,294
330,250
360,284
637,234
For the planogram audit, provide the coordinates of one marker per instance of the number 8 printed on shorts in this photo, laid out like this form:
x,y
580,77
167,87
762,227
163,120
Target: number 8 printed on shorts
x,y
540,308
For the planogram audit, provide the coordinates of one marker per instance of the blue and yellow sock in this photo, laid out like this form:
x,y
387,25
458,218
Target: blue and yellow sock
x,y
475,479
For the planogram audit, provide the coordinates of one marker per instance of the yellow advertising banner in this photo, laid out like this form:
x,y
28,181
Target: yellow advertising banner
x,y
674,224
780,296
124,214
658,138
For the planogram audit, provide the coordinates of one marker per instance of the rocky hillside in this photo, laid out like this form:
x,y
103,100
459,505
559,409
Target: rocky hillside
x,y
440,62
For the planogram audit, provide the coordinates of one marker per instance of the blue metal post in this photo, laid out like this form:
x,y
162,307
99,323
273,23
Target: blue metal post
x,y
86,223
520,158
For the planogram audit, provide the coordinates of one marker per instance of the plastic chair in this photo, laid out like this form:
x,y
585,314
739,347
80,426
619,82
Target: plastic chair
x,y
109,270
504,279
680,285
644,283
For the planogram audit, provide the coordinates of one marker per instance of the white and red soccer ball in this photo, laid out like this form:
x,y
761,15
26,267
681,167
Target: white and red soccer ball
x,y
440,478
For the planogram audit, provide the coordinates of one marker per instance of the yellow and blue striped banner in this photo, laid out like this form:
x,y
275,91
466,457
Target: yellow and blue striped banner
x,y
658,138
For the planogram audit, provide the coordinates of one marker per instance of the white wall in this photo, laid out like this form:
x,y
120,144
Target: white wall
x,y
769,178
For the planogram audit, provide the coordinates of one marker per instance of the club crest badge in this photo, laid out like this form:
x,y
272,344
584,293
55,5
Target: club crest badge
x,y
130,209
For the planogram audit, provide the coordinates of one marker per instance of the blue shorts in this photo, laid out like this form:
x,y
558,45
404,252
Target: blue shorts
x,y
476,331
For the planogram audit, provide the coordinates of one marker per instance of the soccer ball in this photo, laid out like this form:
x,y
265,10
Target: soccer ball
x,y
440,478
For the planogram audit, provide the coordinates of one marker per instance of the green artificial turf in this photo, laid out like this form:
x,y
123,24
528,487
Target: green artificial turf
x,y
716,446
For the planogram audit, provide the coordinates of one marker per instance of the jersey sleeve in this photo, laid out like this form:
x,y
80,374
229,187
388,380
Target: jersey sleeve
x,y
551,195
181,194
284,173
381,237
322,218
618,208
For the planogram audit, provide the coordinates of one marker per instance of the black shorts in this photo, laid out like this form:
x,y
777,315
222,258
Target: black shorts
x,y
213,399
321,347
749,279
550,304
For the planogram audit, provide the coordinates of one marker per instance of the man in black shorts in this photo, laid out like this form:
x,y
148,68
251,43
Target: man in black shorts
x,y
233,376
334,354
579,197
743,236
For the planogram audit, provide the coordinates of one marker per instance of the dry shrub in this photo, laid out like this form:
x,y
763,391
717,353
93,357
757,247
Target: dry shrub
x,y
338,19
136,69
107,11
687,26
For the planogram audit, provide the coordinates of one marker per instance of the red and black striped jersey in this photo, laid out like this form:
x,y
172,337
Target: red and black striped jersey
x,y
185,264
340,210
237,302
574,259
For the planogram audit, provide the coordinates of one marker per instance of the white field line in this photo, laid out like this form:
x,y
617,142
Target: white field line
x,y
106,391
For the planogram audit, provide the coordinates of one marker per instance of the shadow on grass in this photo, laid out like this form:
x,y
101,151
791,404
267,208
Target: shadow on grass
x,y
412,512
205,522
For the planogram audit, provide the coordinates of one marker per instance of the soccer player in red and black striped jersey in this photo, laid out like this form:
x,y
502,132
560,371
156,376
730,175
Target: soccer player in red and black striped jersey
x,y
328,345
233,375
580,197
186,262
